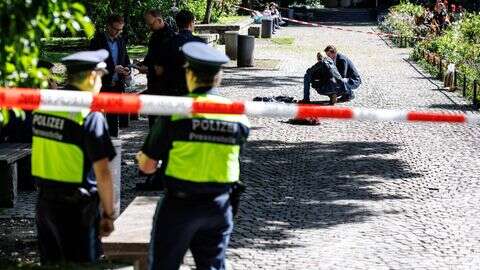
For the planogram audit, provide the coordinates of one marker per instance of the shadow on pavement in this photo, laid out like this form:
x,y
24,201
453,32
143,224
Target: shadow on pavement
x,y
456,107
247,80
298,186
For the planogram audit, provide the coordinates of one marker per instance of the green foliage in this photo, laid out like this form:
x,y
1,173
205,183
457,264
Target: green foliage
x,y
220,8
408,8
401,19
232,19
460,44
133,11
22,25
283,40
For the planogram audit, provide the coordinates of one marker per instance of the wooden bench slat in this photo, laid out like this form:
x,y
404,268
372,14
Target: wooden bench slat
x,y
11,152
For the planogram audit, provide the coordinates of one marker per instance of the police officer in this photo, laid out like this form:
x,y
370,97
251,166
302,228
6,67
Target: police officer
x,y
70,159
172,62
200,168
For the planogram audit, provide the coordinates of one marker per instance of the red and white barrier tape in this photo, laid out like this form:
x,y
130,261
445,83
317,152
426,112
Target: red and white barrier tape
x,y
334,27
62,100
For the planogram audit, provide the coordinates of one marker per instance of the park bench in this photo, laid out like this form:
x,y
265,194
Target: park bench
x,y
130,240
14,171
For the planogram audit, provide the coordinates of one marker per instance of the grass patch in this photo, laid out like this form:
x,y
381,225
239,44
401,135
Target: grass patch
x,y
287,41
232,19
55,57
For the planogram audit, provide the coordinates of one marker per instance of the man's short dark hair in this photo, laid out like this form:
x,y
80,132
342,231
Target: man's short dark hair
x,y
154,13
184,18
115,18
331,48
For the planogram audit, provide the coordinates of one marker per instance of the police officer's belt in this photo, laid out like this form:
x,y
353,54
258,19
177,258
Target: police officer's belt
x,y
66,194
169,193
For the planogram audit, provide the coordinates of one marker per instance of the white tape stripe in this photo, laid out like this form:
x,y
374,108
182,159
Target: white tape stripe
x,y
270,109
164,105
379,115
472,119
65,100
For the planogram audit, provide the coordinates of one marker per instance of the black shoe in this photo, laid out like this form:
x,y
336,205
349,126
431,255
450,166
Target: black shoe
x,y
304,101
344,99
333,99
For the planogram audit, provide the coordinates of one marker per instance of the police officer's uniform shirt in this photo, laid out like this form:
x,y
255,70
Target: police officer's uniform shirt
x,y
92,137
159,141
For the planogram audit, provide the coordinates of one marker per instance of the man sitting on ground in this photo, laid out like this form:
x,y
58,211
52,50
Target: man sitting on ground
x,y
351,79
324,78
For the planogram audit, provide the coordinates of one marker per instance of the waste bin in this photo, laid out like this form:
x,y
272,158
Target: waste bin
x,y
267,27
116,169
231,42
246,44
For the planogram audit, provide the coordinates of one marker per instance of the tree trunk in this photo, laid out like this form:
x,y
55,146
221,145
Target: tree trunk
x,y
208,11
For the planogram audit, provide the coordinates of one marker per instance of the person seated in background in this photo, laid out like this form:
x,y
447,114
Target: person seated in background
x,y
277,17
351,78
324,78
256,16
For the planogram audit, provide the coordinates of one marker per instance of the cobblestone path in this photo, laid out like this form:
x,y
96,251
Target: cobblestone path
x,y
341,195
355,195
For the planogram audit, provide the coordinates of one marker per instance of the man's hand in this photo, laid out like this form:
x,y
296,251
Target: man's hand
x,y
345,80
106,227
142,69
122,70
158,70
146,164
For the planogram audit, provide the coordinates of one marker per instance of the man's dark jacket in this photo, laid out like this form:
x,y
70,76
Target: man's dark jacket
x,y
173,60
324,72
100,42
157,44
346,67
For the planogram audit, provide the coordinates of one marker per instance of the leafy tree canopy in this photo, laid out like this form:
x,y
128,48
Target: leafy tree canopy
x,y
22,24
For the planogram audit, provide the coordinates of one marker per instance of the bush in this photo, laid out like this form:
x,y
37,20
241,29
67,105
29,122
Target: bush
x,y
408,9
460,44
22,26
401,19
133,11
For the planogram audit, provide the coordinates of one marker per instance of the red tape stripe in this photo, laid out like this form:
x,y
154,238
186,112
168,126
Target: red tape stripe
x,y
436,117
315,111
24,98
208,107
116,103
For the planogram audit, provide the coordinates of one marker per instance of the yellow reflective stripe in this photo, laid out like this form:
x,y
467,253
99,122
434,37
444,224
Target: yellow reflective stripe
x,y
4,117
78,118
57,161
204,162
20,114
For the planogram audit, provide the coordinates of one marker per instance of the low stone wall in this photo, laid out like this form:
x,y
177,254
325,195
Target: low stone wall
x,y
220,29
209,38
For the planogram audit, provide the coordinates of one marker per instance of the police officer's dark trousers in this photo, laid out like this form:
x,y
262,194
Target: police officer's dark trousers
x,y
67,228
202,225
